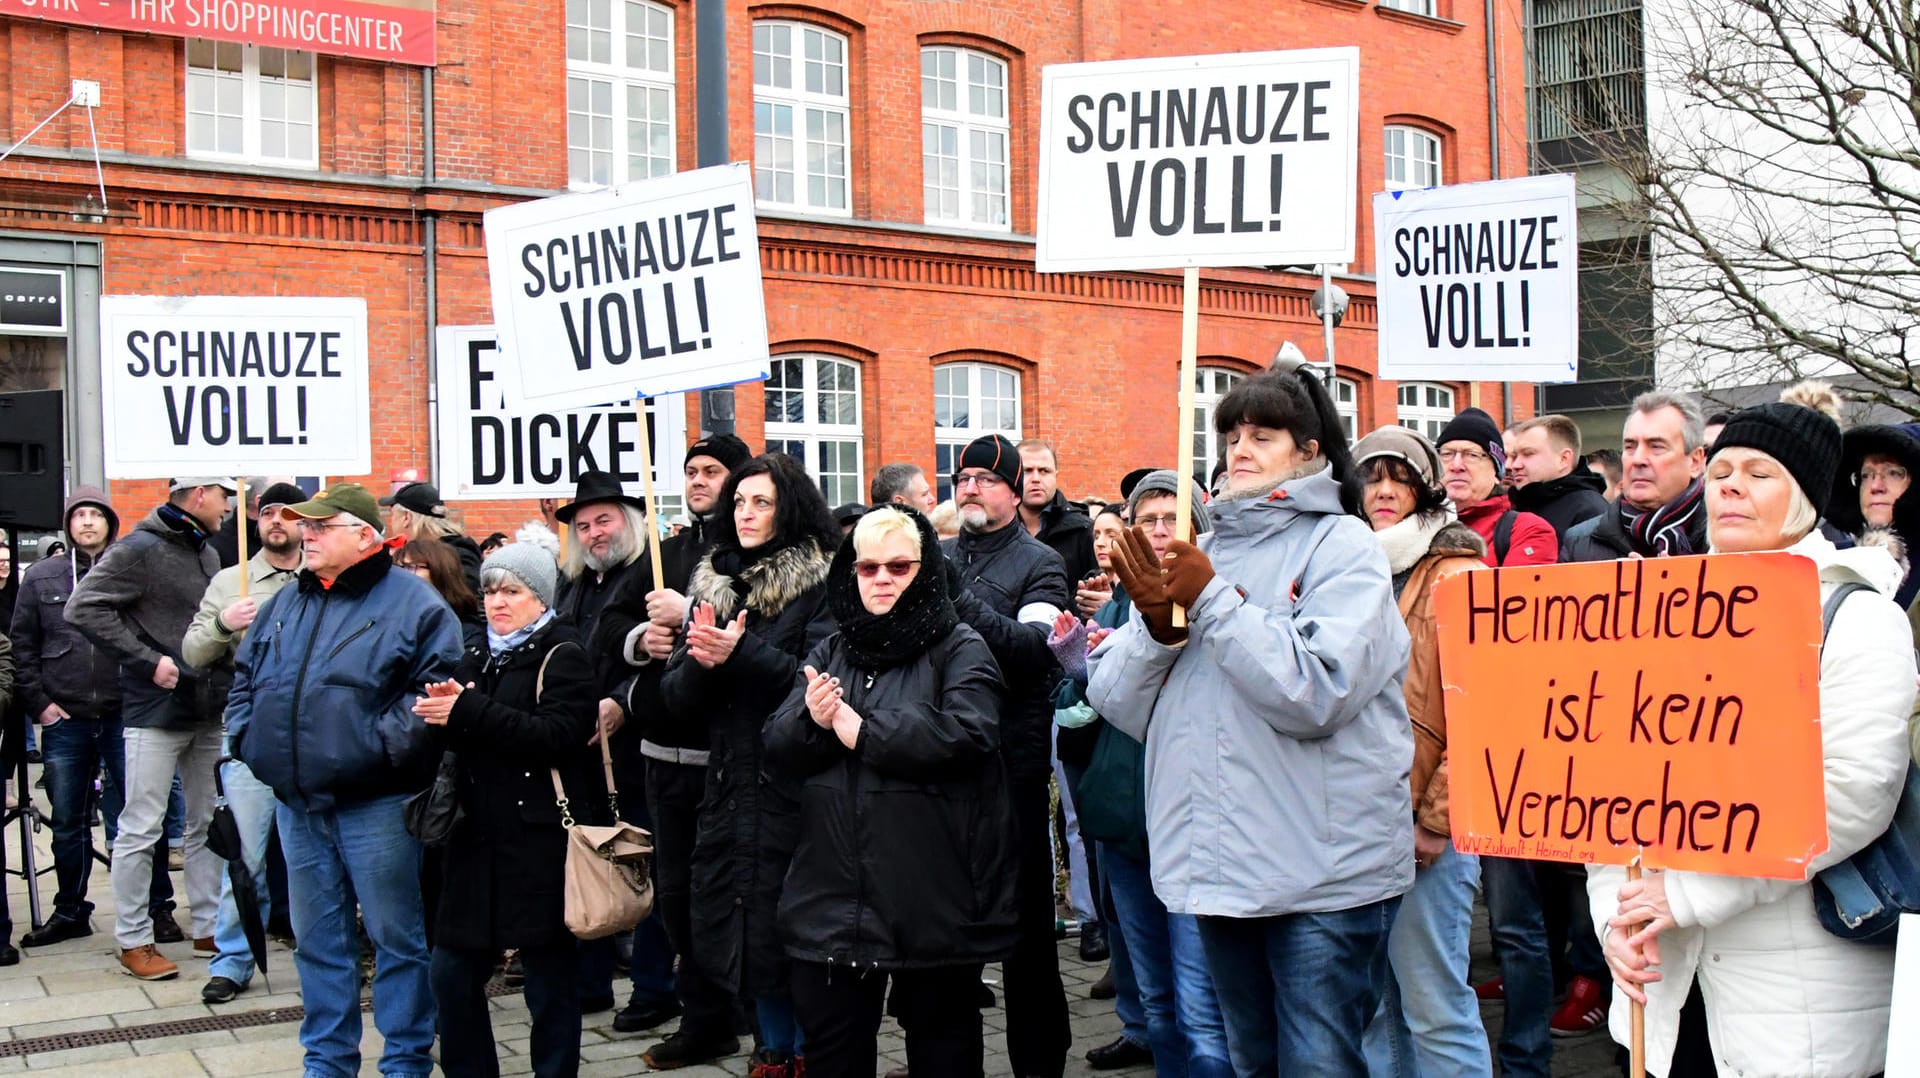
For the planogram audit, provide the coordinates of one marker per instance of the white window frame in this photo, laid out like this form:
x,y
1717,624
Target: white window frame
x,y
1412,158
1210,386
839,484
982,205
803,106
252,118
622,80
1346,401
1426,407
949,439
1429,8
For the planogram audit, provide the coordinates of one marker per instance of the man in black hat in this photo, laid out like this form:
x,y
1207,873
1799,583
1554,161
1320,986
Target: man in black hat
x,y
416,511
609,540
1010,587
640,624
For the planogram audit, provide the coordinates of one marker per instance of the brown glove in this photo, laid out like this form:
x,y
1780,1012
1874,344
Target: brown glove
x,y
1140,573
1187,572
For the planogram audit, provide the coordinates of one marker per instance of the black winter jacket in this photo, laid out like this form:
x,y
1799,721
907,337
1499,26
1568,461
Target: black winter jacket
x,y
324,684
579,605
749,819
614,634
1003,573
1571,499
1069,531
54,662
504,869
906,854
136,605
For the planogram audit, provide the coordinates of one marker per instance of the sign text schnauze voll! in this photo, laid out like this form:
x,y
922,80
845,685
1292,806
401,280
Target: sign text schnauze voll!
x,y
649,288
213,384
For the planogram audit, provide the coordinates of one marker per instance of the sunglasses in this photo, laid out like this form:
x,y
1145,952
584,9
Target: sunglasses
x,y
871,569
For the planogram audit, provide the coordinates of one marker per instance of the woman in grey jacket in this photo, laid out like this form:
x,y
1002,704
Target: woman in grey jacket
x,y
1278,747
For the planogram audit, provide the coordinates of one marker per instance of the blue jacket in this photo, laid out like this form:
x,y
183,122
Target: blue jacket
x,y
323,689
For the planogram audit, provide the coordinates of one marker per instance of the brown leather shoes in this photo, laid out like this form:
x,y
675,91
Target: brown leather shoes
x,y
147,963
203,947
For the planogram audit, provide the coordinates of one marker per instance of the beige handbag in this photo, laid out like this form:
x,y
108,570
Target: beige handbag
x,y
609,887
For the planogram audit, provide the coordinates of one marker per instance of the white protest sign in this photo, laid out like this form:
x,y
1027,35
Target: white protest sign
x,y
1479,281
225,385
643,289
490,450
1243,159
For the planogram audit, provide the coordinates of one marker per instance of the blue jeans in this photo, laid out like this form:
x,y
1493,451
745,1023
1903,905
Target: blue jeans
x,y
1298,989
1126,989
1526,968
359,851
1429,1022
175,827
1184,1025
74,751
253,807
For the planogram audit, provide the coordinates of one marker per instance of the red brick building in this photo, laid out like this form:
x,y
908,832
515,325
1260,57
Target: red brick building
x,y
895,149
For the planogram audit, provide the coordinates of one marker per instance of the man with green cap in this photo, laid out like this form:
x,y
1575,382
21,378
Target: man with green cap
x,y
321,710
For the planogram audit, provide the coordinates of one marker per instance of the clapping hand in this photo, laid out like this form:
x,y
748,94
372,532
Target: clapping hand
x,y
1143,575
827,705
712,645
438,702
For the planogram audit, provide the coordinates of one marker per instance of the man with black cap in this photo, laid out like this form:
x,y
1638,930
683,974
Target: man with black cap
x,y
609,540
416,511
211,640
1010,587
640,624
136,606
322,712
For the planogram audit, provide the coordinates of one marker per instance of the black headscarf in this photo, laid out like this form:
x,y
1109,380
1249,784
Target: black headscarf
x,y
922,617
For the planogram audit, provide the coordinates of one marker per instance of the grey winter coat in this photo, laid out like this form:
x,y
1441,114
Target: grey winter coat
x,y
136,606
1278,747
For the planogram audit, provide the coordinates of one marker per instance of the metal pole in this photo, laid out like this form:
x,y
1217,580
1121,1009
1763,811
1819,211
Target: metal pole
x,y
1326,318
711,148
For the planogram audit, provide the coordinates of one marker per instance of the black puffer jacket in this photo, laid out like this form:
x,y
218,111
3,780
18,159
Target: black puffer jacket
x,y
749,821
906,854
504,869
1066,528
1002,574
1572,499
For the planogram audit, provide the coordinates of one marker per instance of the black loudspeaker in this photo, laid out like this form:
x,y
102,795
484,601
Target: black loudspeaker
x,y
32,460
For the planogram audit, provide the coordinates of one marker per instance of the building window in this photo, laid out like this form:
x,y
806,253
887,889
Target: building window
x,y
813,416
1426,407
1346,401
1417,7
1413,159
963,137
619,92
969,400
800,117
251,103
1210,385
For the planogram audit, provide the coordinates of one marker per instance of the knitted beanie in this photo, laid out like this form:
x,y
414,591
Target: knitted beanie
x,y
1805,442
528,563
1477,427
1406,444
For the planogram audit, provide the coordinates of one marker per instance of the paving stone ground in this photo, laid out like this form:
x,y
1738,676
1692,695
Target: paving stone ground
x,y
78,988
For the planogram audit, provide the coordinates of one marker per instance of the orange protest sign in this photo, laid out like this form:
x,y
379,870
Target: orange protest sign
x,y
1671,705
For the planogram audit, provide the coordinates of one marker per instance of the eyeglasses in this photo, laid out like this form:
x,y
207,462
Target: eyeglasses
x,y
1890,474
871,569
1465,456
980,480
1169,522
317,525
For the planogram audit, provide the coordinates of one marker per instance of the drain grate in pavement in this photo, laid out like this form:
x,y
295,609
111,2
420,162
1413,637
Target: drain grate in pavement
x,y
212,1023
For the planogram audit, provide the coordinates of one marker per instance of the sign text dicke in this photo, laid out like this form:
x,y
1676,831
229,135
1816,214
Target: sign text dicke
x,y
1665,706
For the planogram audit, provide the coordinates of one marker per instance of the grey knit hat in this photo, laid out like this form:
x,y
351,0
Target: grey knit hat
x,y
1167,481
531,564
1408,445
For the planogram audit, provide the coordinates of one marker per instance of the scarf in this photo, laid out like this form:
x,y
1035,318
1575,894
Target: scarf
x,y
921,617
182,521
1407,541
1675,529
499,645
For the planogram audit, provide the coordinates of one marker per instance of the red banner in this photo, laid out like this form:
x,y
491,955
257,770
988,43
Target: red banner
x,y
396,31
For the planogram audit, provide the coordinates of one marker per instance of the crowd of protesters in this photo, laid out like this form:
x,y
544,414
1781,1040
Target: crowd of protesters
x,y
865,739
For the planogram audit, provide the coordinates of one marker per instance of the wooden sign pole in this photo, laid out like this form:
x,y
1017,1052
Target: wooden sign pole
x,y
240,530
1637,1067
653,511
1189,346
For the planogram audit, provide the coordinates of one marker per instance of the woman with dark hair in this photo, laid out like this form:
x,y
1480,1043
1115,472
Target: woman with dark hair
x,y
757,606
1429,1022
1874,494
905,867
439,565
1278,748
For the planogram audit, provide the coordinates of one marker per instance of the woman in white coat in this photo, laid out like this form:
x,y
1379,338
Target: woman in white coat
x,y
1737,975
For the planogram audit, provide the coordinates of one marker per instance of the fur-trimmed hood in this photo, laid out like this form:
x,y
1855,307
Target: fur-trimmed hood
x,y
1889,540
771,583
1418,536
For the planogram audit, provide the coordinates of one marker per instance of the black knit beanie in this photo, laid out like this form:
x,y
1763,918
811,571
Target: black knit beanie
x,y
994,453
1805,442
728,449
1476,426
